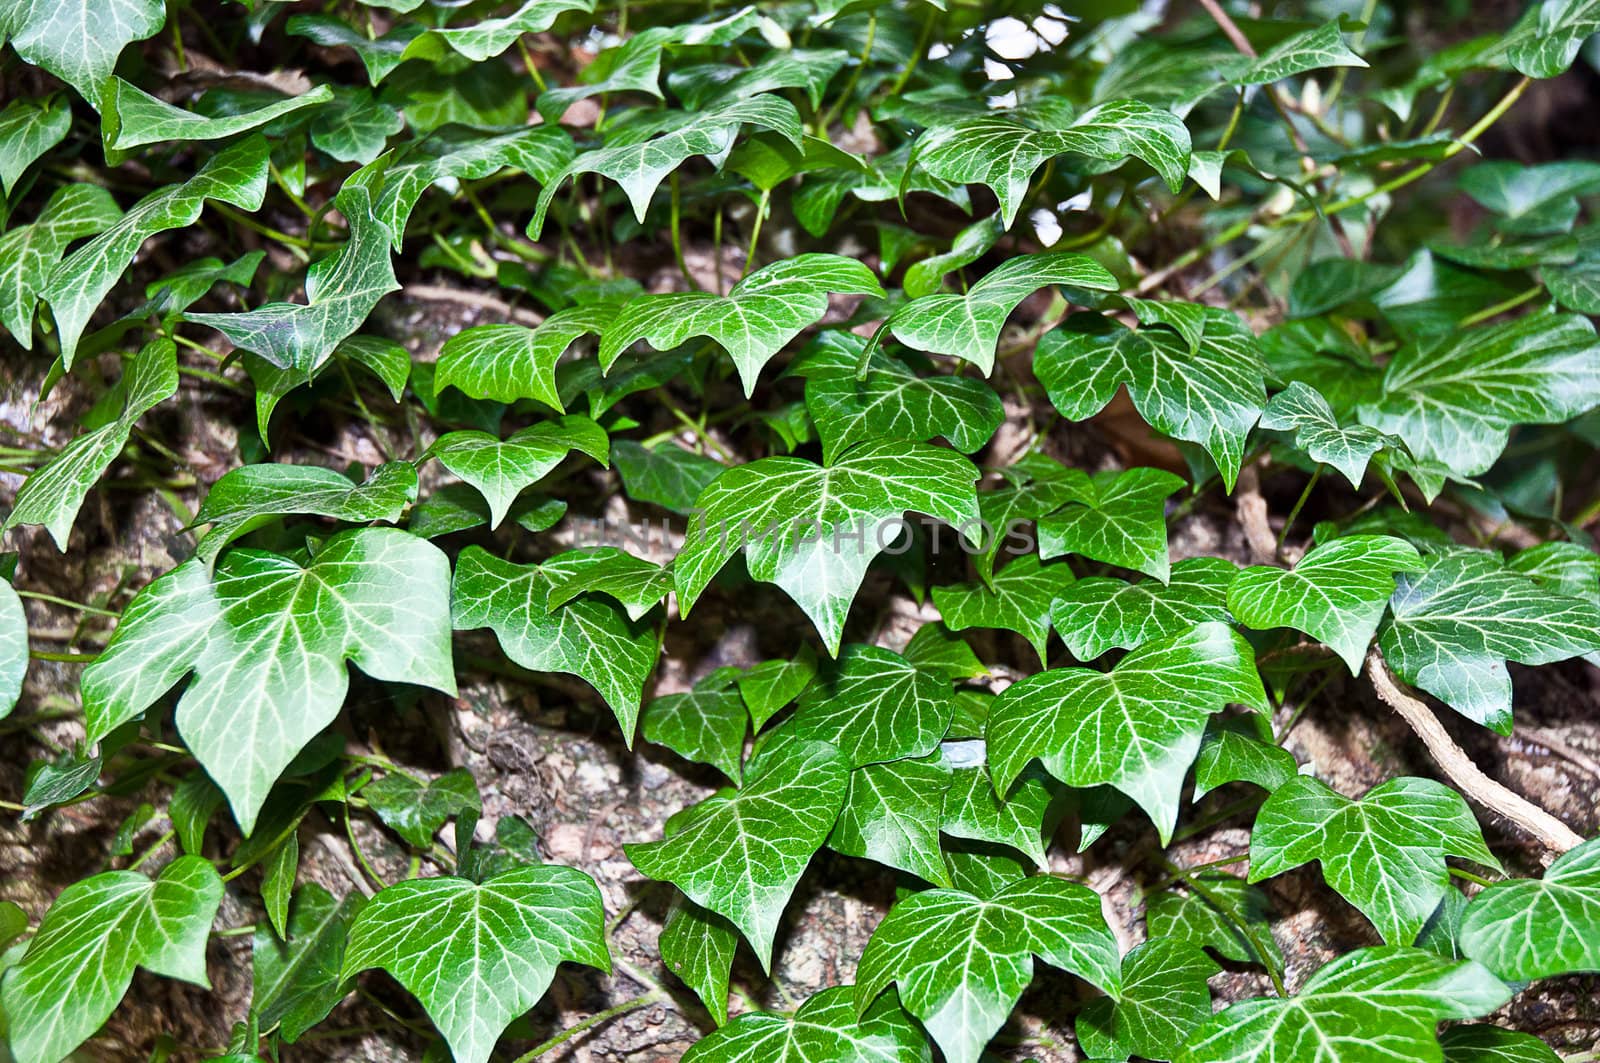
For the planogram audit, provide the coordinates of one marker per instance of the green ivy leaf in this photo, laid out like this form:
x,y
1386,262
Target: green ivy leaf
x,y
341,290
1454,624
1211,395
511,362
1116,517
705,724
666,475
1230,754
1216,911
754,321
1035,485
500,469
13,649
1164,999
1454,398
790,68
1311,50
1018,599
254,495
1546,39
236,175
892,814
1003,152
770,685
487,39
1136,728
698,947
28,129
131,118
1378,1004
935,650
1527,928
295,982
825,1027
1336,593
417,810
638,584
1100,614
267,638
1385,853
962,962
804,519
79,43
1478,1043
478,955
29,252
55,491
357,127
874,706
975,812
1302,410
741,855
968,326
378,55
587,637
892,401
81,961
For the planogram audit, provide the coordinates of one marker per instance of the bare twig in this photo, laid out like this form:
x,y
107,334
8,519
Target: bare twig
x,y
1460,769
1251,509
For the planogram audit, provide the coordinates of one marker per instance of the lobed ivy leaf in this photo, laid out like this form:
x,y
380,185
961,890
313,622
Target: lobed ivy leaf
x,y
28,129
488,38
478,955
874,706
1336,593
1164,999
962,962
1100,614
131,118
1385,853
973,810
1211,395
13,649
267,638
791,68
510,362
1314,49
1454,624
236,175
501,469
1136,728
825,1027
81,961
1302,410
357,127
1546,39
1216,911
665,475
892,814
587,637
251,496
1018,599
417,810
705,724
968,326
638,584
379,55
53,494
698,947
1478,1043
295,980
769,686
1231,753
29,252
891,401
1003,152
814,529
1376,1004
754,321
741,855
1115,517
1539,928
79,43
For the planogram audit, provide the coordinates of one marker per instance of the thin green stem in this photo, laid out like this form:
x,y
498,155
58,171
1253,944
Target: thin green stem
x,y
1501,307
63,658
1205,894
1468,876
653,997
755,232
674,220
67,603
154,848
1299,504
826,119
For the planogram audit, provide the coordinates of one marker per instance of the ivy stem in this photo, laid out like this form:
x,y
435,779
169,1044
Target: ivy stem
x,y
1468,876
66,603
63,658
755,232
827,117
154,848
652,997
1186,876
1299,504
917,53
677,237
1499,308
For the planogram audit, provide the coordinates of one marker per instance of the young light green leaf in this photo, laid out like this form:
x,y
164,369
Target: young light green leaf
x,y
638,584
1212,395
1116,517
741,855
13,649
1002,152
1385,853
874,706
1100,614
253,495
489,38
55,491
892,401
705,724
511,362
501,469
826,1027
295,981
81,961
1018,599
1216,911
28,129
639,165
341,290
698,947
417,810
236,175
268,638
29,252
589,638
478,955
1377,1004
1453,625
79,43
968,326
666,475
974,811
1136,728
1479,1043
814,529
1337,593
131,118
892,814
1302,410
1164,999
961,963
1539,928
1311,50
753,322
1454,398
